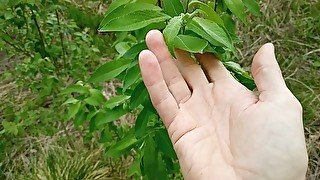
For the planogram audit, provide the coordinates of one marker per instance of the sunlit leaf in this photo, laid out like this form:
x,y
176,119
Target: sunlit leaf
x,y
237,7
109,70
210,31
109,115
133,16
211,14
190,43
173,7
253,7
115,101
171,31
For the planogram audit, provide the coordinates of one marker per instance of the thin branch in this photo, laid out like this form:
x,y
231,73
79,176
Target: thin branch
x,y
61,40
26,20
187,6
159,3
39,31
16,47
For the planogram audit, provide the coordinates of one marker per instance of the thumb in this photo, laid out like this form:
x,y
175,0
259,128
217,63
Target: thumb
x,y
266,71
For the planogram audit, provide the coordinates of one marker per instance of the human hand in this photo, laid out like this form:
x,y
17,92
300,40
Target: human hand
x,y
219,128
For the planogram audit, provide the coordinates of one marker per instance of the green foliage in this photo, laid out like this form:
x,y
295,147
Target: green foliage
x,y
47,46
197,27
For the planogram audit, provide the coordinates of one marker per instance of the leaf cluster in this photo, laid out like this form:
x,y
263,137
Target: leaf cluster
x,y
194,26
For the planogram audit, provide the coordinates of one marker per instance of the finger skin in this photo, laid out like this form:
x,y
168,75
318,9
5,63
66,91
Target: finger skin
x,y
173,78
160,96
190,70
266,71
214,69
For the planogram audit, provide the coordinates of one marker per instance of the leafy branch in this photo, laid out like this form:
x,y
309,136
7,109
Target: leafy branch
x,y
42,40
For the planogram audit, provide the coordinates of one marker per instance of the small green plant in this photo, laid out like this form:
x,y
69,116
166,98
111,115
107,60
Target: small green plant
x,y
194,26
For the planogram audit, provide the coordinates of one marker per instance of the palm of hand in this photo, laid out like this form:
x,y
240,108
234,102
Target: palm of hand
x,y
222,130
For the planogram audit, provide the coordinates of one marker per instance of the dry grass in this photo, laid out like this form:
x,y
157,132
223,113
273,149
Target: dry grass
x,y
294,28
51,157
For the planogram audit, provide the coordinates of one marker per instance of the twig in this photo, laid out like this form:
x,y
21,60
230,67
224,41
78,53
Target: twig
x,y
159,3
39,31
187,6
61,40
18,48
26,20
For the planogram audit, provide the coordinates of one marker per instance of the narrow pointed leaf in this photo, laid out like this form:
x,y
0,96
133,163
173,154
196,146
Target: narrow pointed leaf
x,y
132,76
253,7
109,115
123,146
139,95
115,101
171,31
118,11
109,70
211,14
210,31
131,17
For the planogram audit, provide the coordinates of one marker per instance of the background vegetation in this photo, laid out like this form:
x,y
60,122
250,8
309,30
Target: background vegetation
x,y
47,46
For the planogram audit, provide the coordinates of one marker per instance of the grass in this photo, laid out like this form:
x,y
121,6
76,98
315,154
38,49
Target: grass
x,y
294,27
51,158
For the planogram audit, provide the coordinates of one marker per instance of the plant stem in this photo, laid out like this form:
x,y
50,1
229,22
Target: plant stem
x,y
39,31
61,40
16,47
187,6
215,5
26,20
159,3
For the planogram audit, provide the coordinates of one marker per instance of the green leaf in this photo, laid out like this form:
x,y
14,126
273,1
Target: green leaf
x,y
135,21
115,4
173,7
109,115
70,101
229,23
190,43
138,96
132,17
109,70
253,7
135,50
73,110
243,77
123,146
115,101
171,31
122,48
75,89
148,1
124,9
142,121
164,143
96,98
80,118
210,31
134,168
150,159
211,14
10,127
132,76
237,8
